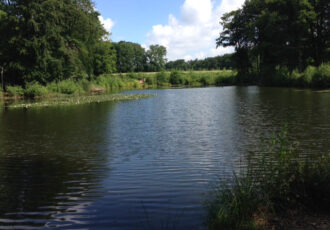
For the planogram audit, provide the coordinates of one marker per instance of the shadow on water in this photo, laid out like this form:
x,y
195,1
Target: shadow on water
x,y
51,164
305,112
144,164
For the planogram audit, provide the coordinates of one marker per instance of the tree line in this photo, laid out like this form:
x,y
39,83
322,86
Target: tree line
x,y
53,40
272,35
210,63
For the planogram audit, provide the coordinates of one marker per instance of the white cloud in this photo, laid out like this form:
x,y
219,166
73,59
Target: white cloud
x,y
193,35
107,23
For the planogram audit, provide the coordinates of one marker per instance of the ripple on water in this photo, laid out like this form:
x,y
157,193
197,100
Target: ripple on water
x,y
146,164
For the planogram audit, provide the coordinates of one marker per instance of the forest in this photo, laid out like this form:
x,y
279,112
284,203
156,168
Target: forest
x,y
53,40
276,42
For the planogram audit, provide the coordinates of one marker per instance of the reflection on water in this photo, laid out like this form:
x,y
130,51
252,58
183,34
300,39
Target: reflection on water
x,y
51,164
143,164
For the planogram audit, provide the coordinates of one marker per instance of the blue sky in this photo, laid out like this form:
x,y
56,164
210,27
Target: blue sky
x,y
187,28
134,18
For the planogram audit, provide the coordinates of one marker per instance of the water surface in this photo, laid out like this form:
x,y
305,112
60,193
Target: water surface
x,y
145,164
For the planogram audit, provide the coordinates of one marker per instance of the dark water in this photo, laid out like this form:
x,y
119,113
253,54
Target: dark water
x,y
145,164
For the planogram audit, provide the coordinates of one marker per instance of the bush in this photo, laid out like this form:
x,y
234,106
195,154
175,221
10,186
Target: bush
x,y
176,78
110,82
162,78
15,91
321,77
151,80
206,80
68,87
308,76
35,90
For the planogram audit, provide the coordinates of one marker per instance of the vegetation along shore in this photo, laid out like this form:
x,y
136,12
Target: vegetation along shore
x,y
279,189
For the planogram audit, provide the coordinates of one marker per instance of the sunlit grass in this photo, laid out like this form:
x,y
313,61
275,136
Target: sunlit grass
x,y
77,100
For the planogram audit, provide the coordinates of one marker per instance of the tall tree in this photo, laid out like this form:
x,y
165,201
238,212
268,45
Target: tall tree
x,y
130,57
104,58
156,57
267,34
47,40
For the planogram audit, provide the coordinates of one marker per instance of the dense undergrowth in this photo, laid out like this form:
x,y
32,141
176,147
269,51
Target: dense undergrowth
x,y
128,81
276,180
312,77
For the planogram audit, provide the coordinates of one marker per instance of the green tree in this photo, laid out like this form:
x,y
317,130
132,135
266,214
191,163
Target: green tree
x,y
156,58
130,57
47,40
104,58
267,34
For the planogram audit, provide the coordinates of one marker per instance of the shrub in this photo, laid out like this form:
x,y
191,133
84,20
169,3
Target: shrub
x,y
15,91
206,80
308,76
176,78
68,87
321,77
151,80
86,85
162,78
35,90
110,82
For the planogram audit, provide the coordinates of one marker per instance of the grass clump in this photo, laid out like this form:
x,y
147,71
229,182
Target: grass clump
x,y
276,180
15,91
35,90
65,87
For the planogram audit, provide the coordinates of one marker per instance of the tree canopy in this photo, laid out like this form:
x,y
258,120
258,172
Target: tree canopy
x,y
211,63
48,40
271,33
156,58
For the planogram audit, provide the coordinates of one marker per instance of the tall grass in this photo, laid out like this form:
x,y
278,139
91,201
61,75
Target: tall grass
x,y
15,91
115,82
185,78
35,90
312,77
277,180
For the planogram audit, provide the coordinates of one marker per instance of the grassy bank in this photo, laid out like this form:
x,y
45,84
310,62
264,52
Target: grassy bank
x,y
74,100
115,82
277,182
187,78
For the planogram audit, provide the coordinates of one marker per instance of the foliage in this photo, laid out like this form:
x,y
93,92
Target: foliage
x,y
35,90
276,179
130,57
104,58
15,91
52,40
321,77
156,58
211,63
270,34
65,87
314,77
176,78
162,78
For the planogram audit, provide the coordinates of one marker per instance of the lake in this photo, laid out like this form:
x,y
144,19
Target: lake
x,y
144,164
